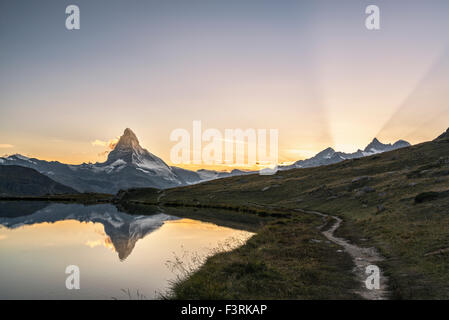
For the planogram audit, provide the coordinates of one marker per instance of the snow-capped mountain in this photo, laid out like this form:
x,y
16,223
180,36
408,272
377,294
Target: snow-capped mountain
x,y
207,175
376,146
128,166
131,166
129,153
330,156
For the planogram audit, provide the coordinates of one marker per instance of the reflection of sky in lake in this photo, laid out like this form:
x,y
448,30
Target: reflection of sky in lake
x,y
113,250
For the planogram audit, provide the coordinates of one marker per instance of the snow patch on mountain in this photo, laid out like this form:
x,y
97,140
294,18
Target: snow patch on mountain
x,y
330,156
128,166
20,157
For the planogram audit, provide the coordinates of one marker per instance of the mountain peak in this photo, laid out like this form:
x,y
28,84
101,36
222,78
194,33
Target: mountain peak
x,y
127,146
376,146
128,139
129,132
326,153
401,144
128,151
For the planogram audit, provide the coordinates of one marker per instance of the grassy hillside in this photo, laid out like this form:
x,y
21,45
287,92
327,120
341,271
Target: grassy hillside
x,y
397,202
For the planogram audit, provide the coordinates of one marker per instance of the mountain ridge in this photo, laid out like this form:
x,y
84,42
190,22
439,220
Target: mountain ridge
x,y
330,156
23,181
394,203
129,165
443,136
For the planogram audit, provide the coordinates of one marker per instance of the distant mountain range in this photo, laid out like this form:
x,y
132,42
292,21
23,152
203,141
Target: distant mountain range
x,y
130,166
17,180
330,156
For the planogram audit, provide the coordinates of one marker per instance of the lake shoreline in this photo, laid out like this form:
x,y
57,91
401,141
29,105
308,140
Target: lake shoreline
x,y
264,221
82,198
262,216
100,235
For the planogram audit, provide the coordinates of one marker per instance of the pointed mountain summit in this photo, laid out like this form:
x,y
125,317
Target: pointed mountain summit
x,y
128,166
128,140
128,152
326,153
376,146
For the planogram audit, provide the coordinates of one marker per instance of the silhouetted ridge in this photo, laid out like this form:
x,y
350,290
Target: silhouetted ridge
x,y
443,136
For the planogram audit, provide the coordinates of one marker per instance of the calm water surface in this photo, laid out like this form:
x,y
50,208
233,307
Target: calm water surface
x,y
113,250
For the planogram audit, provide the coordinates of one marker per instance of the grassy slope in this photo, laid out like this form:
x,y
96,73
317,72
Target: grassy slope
x,y
378,210
280,262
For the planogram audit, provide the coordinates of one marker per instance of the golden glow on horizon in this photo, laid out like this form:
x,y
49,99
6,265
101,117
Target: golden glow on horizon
x,y
347,116
321,81
98,151
57,233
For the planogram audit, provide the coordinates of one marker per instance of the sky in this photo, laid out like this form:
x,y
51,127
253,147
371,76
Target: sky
x,y
310,69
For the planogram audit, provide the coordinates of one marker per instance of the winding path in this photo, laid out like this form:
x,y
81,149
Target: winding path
x,y
362,258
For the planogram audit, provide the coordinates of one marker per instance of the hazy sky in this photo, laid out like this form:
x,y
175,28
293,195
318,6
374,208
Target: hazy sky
x,y
308,68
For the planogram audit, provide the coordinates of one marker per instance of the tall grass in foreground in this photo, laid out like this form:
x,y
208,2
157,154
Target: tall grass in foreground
x,y
130,296
183,265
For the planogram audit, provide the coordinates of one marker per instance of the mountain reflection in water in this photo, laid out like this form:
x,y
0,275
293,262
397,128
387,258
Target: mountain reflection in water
x,y
124,230
39,240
